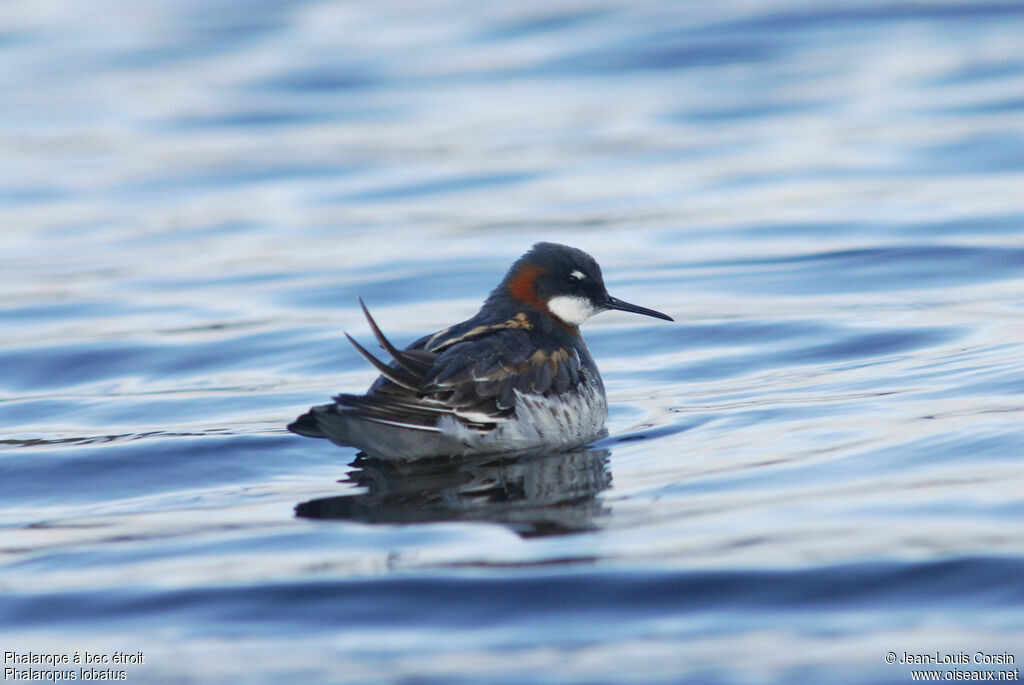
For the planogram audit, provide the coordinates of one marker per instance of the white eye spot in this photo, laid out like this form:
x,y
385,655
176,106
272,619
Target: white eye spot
x,y
578,274
571,309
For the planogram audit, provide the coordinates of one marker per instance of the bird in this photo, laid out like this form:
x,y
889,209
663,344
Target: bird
x,y
517,376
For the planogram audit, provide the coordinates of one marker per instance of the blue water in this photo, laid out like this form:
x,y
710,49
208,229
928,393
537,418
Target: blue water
x,y
819,463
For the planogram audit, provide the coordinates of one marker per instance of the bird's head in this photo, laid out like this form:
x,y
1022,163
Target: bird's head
x,y
566,283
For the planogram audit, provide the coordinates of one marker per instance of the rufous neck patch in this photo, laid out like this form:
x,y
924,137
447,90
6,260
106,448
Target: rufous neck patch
x,y
523,285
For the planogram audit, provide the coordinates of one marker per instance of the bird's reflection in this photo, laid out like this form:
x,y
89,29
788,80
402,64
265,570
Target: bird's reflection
x,y
534,494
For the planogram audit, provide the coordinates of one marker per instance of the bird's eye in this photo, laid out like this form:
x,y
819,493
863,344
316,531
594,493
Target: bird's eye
x,y
572,279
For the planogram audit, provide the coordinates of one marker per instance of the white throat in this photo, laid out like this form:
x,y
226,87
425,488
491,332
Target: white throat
x,y
571,309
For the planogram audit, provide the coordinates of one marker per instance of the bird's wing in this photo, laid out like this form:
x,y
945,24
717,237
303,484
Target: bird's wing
x,y
487,371
473,376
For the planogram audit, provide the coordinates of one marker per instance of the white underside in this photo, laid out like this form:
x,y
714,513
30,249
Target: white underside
x,y
539,422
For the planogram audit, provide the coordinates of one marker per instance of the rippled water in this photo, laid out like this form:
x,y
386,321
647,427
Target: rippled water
x,y
818,464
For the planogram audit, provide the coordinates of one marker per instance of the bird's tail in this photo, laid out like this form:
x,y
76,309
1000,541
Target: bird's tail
x,y
306,425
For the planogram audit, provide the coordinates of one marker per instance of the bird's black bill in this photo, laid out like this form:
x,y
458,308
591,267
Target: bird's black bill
x,y
616,303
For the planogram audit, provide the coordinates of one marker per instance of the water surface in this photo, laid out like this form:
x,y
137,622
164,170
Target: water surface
x,y
819,463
